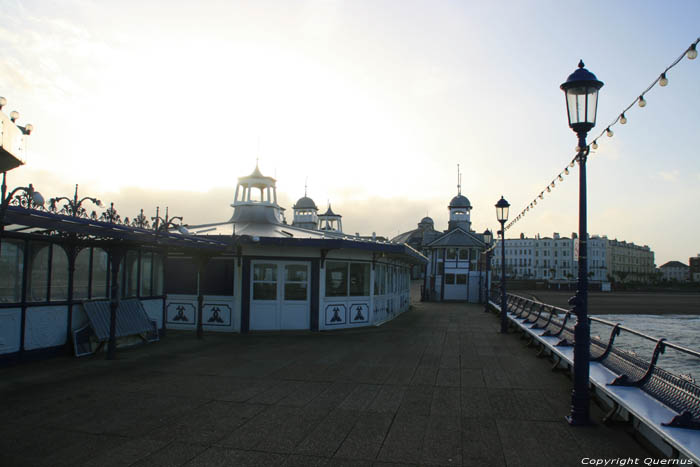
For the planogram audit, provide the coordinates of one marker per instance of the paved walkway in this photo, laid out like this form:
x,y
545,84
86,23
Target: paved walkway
x,y
437,386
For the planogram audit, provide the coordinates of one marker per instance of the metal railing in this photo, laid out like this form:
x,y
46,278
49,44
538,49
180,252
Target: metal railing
x,y
678,392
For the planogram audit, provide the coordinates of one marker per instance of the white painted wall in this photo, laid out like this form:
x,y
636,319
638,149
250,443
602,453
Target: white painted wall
x,y
10,330
45,326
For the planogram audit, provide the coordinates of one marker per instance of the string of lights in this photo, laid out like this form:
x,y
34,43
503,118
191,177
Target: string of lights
x,y
662,79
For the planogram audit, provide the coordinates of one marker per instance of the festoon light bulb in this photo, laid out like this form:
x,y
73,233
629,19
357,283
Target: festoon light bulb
x,y
623,119
595,144
692,52
609,132
663,81
642,102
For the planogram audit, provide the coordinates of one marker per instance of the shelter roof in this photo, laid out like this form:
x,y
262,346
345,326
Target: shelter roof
x,y
458,237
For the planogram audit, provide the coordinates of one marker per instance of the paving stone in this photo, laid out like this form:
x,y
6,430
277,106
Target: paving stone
x,y
404,442
361,397
448,377
328,435
481,443
446,401
475,403
175,453
442,444
127,453
542,440
215,457
417,400
366,437
304,394
388,399
472,378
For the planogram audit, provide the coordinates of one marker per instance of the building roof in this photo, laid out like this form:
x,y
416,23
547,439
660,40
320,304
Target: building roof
x,y
673,264
460,201
458,237
329,212
305,203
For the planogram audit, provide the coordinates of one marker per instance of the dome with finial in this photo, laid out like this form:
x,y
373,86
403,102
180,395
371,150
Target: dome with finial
x,y
426,221
460,201
305,203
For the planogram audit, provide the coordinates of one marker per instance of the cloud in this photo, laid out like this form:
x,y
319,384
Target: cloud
x,y
669,176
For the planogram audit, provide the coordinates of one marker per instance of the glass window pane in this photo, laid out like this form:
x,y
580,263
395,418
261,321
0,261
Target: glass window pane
x,y
158,274
59,274
81,277
295,291
265,272
463,253
451,253
382,283
296,272
11,271
265,291
180,276
131,268
146,268
461,279
336,279
39,273
359,279
449,279
217,278
99,273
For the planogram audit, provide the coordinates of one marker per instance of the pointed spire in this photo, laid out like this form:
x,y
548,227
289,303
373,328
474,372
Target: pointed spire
x,y
459,181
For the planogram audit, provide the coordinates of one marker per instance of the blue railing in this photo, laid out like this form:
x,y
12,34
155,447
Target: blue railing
x,y
678,392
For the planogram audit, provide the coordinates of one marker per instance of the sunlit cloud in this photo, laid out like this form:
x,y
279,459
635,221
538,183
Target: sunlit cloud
x,y
669,175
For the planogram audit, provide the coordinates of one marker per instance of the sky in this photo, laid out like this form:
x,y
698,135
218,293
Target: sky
x,y
372,104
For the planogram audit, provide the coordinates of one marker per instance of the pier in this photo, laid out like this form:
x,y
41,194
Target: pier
x,y
436,386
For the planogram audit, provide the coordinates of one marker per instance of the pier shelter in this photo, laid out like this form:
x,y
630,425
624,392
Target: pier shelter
x,y
253,272
454,270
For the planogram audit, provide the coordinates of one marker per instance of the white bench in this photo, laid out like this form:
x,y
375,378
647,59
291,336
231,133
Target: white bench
x,y
638,404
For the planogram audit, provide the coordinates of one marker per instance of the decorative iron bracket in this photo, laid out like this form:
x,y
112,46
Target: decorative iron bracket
x,y
615,332
549,320
623,379
563,325
684,420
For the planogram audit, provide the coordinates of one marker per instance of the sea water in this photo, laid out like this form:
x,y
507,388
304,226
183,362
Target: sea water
x,y
683,330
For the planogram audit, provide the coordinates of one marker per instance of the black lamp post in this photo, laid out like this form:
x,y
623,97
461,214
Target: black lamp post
x,y
502,216
488,238
581,89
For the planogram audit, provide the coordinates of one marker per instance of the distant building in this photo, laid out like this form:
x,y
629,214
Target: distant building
x,y
453,271
694,271
628,261
674,271
554,259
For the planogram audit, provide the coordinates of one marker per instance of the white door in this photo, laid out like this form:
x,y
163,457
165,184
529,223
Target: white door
x,y
280,295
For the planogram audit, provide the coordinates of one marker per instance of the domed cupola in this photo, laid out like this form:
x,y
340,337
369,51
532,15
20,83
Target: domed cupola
x,y
426,223
305,213
459,208
256,199
330,221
